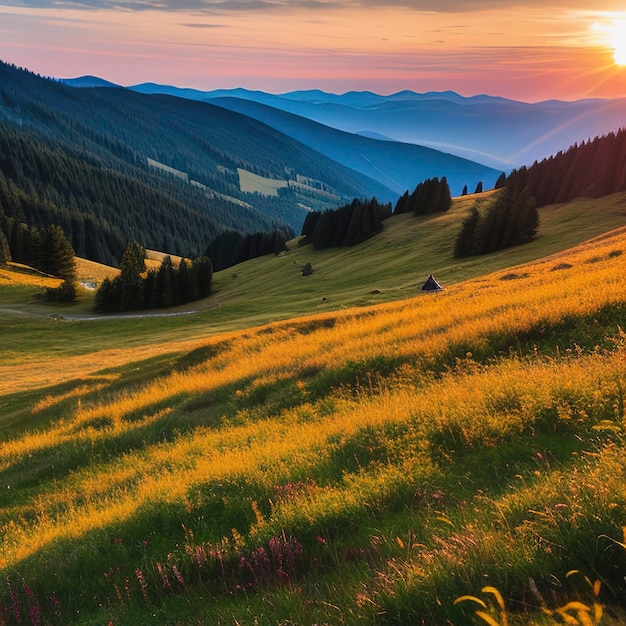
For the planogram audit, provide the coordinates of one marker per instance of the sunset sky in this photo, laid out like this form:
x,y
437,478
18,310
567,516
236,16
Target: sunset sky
x,y
534,50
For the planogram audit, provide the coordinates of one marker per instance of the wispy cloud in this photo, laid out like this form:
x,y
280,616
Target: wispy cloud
x,y
199,25
222,6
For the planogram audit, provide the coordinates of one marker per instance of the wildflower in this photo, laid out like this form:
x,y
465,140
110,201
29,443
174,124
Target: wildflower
x,y
33,604
16,604
164,578
142,584
178,576
200,556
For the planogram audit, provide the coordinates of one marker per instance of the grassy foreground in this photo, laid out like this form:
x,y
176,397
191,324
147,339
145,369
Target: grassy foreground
x,y
361,466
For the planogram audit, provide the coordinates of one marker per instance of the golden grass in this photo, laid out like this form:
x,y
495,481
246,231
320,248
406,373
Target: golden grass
x,y
91,271
18,274
155,258
480,406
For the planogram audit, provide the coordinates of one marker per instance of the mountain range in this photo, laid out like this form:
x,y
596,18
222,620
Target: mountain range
x,y
173,168
111,165
397,165
494,131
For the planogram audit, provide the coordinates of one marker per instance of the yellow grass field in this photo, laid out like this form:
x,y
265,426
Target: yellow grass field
x,y
390,458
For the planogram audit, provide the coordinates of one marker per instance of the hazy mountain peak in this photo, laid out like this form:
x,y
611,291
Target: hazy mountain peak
x,y
87,81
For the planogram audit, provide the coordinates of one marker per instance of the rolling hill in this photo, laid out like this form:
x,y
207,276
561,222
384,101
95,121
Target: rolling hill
x,y
373,462
331,448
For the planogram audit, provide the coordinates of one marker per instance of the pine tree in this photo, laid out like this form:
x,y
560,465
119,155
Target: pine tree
x,y
166,286
465,239
203,271
187,285
402,205
16,241
65,292
308,227
108,296
131,268
5,252
56,255
445,197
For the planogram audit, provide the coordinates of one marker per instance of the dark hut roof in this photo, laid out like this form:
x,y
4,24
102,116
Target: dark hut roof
x,y
431,284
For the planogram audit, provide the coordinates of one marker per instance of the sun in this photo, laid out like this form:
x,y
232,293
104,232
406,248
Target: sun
x,y
618,41
612,35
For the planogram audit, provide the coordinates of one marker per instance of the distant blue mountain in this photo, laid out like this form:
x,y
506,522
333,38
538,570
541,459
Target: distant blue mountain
x,y
87,81
493,131
399,166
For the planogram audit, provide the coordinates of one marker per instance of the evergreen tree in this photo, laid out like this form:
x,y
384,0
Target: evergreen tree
x,y
187,284
131,268
149,289
479,187
166,286
203,272
510,220
108,296
501,182
16,241
464,192
65,292
56,255
445,197
429,196
465,239
402,205
5,252
308,227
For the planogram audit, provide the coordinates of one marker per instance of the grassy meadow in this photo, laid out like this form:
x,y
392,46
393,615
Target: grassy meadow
x,y
302,450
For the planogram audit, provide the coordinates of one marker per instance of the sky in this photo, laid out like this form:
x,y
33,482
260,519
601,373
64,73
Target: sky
x,y
531,51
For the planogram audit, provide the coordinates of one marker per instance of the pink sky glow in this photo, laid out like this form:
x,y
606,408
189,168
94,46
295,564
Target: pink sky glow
x,y
524,50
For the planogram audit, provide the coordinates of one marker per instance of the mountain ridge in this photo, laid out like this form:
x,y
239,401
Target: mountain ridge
x,y
492,130
398,165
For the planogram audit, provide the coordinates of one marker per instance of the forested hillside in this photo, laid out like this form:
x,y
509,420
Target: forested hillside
x,y
81,158
592,169
42,183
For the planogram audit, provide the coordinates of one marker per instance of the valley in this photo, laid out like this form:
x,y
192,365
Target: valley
x,y
319,447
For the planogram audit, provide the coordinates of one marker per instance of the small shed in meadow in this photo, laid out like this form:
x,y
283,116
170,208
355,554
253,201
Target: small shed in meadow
x,y
431,284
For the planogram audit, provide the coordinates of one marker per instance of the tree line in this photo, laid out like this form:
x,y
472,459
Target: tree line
x,y
137,289
347,225
592,169
430,196
99,208
46,249
84,152
232,247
